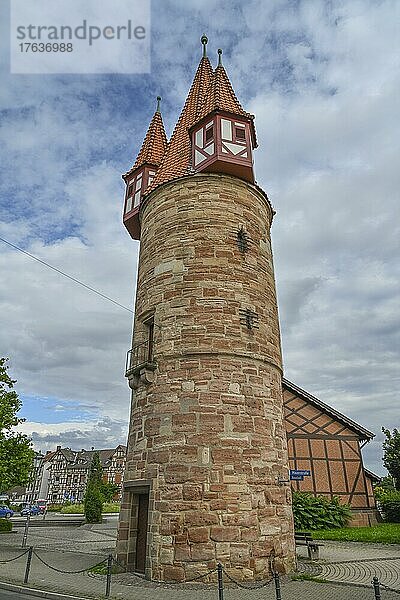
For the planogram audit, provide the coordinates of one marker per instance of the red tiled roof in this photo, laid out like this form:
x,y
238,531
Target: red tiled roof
x,y
154,144
220,96
176,159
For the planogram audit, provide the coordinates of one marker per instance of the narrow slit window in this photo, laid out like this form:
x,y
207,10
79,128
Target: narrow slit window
x,y
150,338
242,240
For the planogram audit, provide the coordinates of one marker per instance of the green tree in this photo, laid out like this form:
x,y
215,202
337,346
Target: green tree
x,y
391,454
93,502
386,483
108,490
16,453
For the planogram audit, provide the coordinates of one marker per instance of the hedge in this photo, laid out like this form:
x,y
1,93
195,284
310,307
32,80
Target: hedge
x,y
391,508
389,504
5,526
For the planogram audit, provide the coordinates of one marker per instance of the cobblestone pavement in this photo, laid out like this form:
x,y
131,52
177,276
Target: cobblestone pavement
x,y
75,549
88,539
357,563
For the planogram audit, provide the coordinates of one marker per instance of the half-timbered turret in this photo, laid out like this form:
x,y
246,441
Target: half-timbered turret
x,y
140,177
223,136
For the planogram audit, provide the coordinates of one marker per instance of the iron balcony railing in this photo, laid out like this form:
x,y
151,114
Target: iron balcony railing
x,y
139,355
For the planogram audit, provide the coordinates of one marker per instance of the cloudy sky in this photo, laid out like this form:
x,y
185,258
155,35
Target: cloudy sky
x,y
322,79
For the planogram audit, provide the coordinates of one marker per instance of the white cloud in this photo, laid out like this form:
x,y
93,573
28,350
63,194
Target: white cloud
x,y
323,81
104,433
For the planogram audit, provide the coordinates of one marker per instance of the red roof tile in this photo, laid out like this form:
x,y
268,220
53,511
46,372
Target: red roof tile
x,y
154,144
176,161
220,96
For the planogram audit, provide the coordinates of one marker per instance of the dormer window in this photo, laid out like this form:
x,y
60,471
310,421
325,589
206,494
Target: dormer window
x,y
152,174
209,133
134,192
137,183
138,191
223,144
240,134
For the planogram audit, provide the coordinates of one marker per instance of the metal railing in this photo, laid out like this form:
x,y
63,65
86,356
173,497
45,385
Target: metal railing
x,y
138,355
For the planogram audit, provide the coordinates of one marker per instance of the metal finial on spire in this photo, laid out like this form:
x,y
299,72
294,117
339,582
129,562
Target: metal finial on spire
x,y
219,57
204,40
158,104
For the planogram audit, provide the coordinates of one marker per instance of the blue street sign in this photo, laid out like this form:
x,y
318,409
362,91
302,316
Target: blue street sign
x,y
300,472
295,477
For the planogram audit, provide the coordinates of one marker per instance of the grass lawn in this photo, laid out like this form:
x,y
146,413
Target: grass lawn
x,y
385,533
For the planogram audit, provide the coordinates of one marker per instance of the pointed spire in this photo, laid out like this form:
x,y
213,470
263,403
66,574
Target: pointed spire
x,y
220,94
204,41
155,141
176,160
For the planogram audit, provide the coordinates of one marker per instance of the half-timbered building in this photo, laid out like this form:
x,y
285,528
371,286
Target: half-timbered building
x,y
328,444
63,474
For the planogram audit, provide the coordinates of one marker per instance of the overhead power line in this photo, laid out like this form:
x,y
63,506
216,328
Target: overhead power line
x,y
66,275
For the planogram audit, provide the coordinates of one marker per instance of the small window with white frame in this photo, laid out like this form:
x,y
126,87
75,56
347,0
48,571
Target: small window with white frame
x,y
208,133
240,133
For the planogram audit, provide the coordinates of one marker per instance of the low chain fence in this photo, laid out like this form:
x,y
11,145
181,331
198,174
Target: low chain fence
x,y
222,575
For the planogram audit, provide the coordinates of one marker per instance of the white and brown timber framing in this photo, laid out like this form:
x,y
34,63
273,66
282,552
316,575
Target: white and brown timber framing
x,y
328,443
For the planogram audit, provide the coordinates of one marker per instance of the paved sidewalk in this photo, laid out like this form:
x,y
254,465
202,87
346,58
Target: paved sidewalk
x,y
80,548
357,563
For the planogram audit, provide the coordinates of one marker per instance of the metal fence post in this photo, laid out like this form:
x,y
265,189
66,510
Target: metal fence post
x,y
377,589
25,536
108,580
277,586
28,564
220,582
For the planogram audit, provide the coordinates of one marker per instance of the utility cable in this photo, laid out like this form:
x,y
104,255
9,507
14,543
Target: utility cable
x,y
66,275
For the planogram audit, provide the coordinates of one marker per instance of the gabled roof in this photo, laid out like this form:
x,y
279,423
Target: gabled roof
x,y
372,476
176,160
154,144
68,454
82,459
363,433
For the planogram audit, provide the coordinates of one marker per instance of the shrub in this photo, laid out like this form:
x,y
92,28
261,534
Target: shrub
x,y
93,505
72,509
316,512
390,506
382,494
5,526
54,507
111,507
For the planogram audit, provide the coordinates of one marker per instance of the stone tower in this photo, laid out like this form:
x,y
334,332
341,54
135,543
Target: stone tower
x,y
207,457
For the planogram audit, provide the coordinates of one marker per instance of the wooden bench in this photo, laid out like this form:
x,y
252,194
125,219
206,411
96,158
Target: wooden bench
x,y
305,538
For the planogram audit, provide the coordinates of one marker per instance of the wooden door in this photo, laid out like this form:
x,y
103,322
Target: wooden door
x,y
141,539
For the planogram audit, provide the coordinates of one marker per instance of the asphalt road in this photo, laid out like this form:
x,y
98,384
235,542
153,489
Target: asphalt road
x,y
6,595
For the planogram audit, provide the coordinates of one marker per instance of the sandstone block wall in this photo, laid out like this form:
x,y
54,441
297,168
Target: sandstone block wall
x,y
207,435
